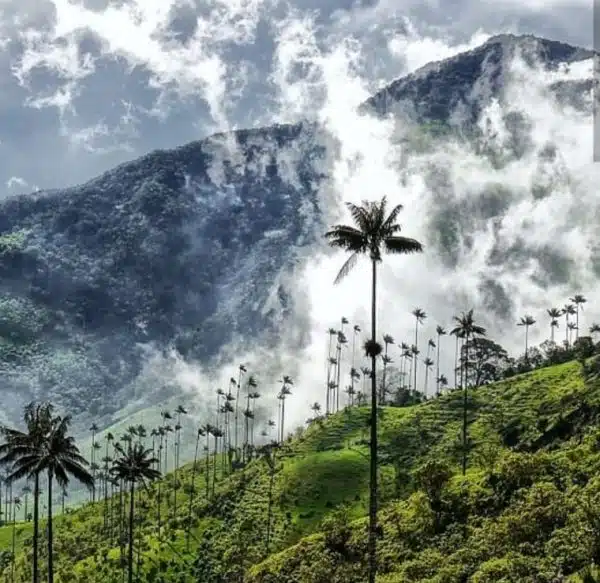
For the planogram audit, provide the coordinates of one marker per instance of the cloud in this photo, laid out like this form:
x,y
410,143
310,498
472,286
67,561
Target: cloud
x,y
114,79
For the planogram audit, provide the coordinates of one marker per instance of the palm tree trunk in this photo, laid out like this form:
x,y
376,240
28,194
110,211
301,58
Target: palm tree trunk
x,y
527,344
577,322
339,374
456,363
270,507
416,355
437,368
207,465
373,445
131,508
465,405
551,333
36,526
14,540
49,526
283,416
189,526
215,465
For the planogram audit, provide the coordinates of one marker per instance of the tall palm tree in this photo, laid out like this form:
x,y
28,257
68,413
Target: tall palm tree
x,y
331,362
180,410
466,328
286,383
578,300
594,329
572,328
353,371
250,384
134,466
442,382
440,331
16,504
555,314
420,316
94,430
373,232
387,340
568,310
200,433
340,343
428,364
26,490
18,444
241,371
526,321
60,458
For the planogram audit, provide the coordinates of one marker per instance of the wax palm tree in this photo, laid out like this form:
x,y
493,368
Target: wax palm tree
x,y
59,457
241,371
387,340
340,343
26,490
135,466
366,373
440,331
373,233
420,317
442,381
217,434
572,329
428,364
94,430
331,363
594,329
16,505
250,384
568,310
467,329
354,377
18,444
526,321
180,410
201,432
254,397
578,300
554,314
286,383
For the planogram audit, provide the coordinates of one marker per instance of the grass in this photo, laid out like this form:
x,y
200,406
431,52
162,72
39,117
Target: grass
x,y
321,485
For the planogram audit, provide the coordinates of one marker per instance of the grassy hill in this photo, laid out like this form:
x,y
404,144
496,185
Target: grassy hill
x,y
528,509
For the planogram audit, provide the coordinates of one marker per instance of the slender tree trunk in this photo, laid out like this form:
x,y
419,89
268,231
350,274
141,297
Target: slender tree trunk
x,y
577,323
131,509
527,344
270,505
50,534
465,405
416,355
437,368
328,375
215,466
283,417
207,465
339,377
551,333
456,363
36,527
372,542
189,528
14,540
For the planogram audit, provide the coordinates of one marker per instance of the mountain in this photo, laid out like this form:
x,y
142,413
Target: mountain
x,y
455,90
525,512
191,252
186,249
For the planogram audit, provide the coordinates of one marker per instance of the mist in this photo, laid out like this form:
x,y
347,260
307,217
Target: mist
x,y
509,222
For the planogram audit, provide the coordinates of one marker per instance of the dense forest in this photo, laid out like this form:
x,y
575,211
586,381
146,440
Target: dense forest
x,y
404,472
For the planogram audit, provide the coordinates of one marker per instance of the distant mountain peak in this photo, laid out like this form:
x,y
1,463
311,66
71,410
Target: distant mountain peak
x,y
436,90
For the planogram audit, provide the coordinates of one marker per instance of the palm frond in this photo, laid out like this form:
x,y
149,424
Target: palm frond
x,y
402,245
346,268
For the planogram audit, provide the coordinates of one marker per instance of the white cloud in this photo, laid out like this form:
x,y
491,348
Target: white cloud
x,y
312,67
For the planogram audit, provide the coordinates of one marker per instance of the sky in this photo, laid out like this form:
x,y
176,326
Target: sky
x,y
88,84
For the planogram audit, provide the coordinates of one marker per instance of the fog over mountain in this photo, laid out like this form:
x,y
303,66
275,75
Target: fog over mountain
x,y
159,276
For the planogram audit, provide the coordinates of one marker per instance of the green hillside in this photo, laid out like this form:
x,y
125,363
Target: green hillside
x,y
528,509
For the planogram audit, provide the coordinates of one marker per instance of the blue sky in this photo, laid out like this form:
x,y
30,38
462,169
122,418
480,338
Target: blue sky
x,y
87,84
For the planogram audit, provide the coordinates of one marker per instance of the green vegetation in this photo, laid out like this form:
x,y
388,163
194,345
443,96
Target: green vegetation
x,y
527,510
